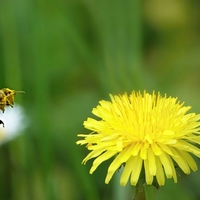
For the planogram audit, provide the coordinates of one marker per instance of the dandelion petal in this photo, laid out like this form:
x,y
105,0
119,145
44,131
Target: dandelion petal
x,y
145,132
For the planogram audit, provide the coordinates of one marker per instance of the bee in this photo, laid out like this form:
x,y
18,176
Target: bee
x,y
7,99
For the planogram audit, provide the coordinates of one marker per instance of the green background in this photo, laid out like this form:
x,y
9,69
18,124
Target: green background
x,y
68,55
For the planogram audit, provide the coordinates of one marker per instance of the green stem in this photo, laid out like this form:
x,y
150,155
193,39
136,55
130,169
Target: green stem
x,y
139,193
144,192
149,192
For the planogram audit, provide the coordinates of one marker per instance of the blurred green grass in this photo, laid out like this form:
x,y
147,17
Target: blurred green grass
x,y
68,55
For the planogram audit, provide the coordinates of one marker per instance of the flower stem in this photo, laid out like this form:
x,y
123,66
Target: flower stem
x,y
149,192
144,192
139,195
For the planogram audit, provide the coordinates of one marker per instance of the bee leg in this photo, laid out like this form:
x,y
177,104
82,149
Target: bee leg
x,y
1,122
3,109
8,104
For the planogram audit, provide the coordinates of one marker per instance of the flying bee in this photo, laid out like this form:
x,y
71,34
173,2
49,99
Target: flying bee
x,y
7,99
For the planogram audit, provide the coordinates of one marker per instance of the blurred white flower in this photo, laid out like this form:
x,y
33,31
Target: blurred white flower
x,y
14,123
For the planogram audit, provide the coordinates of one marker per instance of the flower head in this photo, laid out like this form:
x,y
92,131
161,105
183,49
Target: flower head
x,y
143,132
15,123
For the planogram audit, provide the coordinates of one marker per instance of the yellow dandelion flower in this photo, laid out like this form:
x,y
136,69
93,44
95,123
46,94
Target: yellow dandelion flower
x,y
146,133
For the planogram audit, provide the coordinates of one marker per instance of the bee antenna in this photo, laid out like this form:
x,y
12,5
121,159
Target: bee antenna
x,y
19,92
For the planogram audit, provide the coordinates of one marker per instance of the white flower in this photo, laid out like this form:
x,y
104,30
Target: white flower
x,y
14,123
